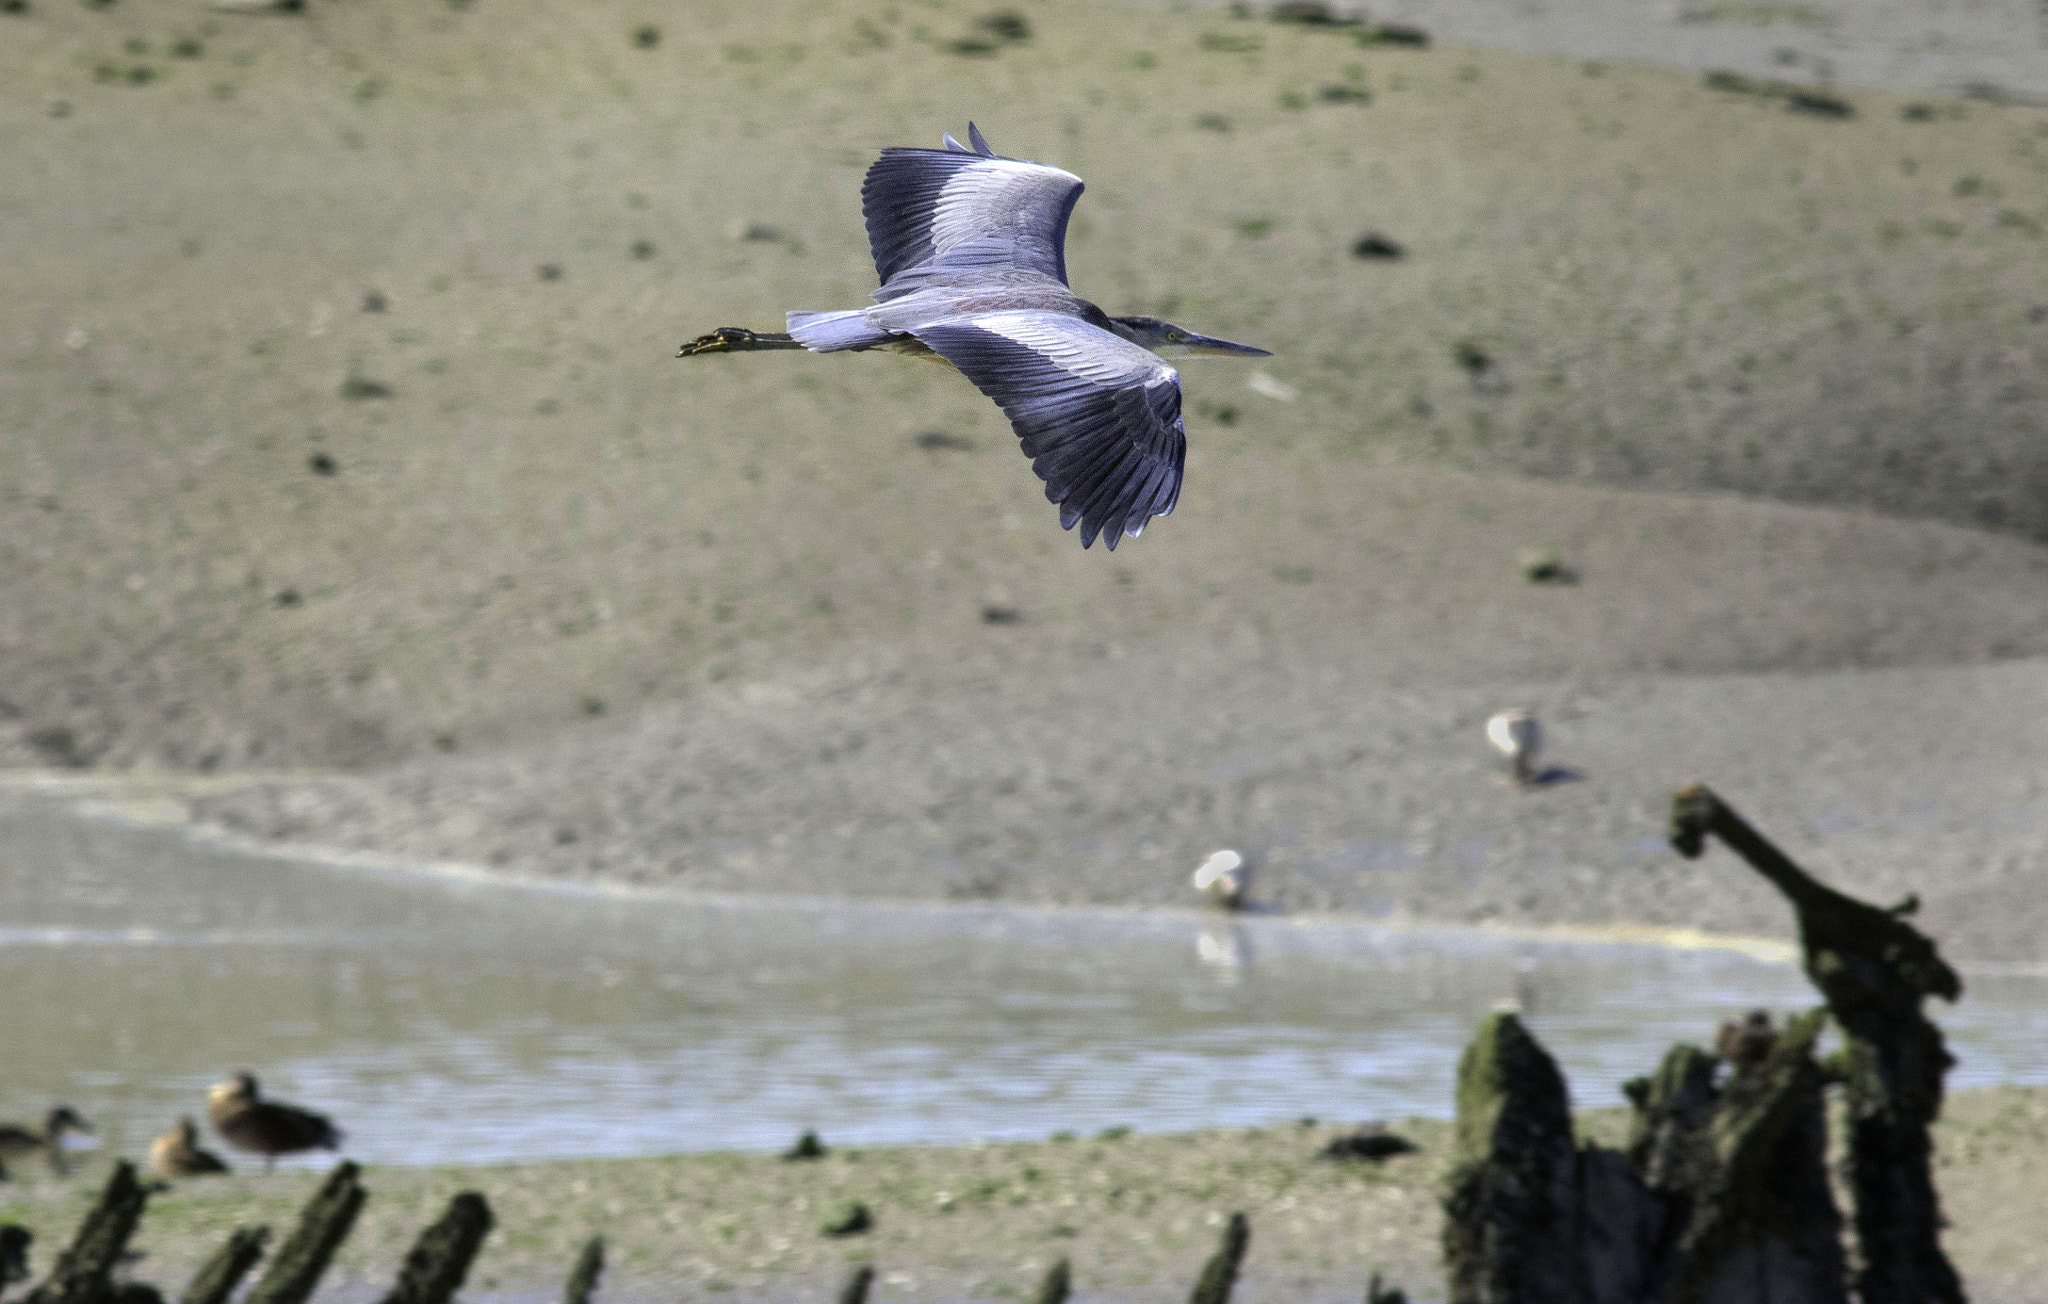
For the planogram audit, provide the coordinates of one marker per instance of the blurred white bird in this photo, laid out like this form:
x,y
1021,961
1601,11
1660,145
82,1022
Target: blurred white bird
x,y
1224,878
1515,734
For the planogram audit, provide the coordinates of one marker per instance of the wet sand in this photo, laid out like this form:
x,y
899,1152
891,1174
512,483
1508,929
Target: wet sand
x,y
1137,1215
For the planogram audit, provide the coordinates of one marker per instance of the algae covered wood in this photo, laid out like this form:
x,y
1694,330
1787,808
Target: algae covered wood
x,y
1760,1210
219,1275
324,1224
440,1258
1511,1207
1875,971
84,1272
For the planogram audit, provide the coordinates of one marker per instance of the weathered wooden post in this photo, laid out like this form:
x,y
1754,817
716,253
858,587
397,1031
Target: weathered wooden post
x,y
1742,1169
1875,971
1511,1227
1219,1274
84,1273
223,1272
324,1224
1057,1283
14,1242
440,1258
855,1291
584,1276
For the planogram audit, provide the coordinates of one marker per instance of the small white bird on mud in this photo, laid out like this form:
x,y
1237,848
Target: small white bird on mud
x,y
1224,878
1516,735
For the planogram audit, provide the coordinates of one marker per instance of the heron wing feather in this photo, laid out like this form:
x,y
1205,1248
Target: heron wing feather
x,y
1098,416
957,207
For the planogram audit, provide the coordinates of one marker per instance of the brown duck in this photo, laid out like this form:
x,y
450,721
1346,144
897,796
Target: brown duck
x,y
16,1140
177,1154
267,1127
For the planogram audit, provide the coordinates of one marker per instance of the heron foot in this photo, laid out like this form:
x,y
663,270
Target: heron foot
x,y
736,339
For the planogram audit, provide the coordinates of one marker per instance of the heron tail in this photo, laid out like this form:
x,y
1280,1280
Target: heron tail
x,y
834,332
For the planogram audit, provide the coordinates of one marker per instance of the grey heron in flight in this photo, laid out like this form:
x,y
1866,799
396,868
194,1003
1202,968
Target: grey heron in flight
x,y
970,247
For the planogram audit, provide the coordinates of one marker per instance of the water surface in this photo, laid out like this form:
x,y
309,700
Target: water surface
x,y
442,1021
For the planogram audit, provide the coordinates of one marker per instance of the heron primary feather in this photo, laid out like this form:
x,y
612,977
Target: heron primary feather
x,y
970,249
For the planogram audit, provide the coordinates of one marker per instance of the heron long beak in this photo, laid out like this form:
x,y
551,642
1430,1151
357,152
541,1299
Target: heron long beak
x,y
1204,344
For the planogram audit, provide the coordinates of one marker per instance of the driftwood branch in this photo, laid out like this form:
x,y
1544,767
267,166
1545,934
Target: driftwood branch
x,y
84,1273
323,1224
223,1272
440,1258
1876,971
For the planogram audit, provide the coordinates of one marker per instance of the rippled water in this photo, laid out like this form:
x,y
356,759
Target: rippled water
x,y
441,1021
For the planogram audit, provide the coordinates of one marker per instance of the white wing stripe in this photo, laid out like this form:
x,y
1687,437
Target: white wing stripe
x,y
995,188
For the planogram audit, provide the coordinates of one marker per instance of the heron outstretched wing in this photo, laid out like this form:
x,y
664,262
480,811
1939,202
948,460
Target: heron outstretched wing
x,y
966,208
1099,417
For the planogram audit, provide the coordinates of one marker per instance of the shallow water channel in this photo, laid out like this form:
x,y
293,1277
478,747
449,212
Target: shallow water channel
x,y
440,1021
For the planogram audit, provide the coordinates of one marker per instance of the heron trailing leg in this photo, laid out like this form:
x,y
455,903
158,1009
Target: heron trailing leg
x,y
736,339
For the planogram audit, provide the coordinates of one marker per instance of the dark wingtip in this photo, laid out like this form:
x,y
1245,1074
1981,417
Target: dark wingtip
x,y
980,143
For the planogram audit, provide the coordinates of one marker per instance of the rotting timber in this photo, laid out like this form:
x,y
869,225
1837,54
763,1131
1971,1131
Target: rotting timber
x,y
438,1262
1722,1194
1876,971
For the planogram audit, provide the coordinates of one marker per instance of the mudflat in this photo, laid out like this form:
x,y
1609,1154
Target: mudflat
x,y
1135,1214
346,455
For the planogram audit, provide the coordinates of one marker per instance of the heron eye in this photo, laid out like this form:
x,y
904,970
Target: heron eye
x,y
1175,337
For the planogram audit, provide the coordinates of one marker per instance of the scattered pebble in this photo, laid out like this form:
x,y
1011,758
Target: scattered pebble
x,y
1400,34
1001,616
549,271
1311,13
1377,247
1372,1143
356,387
643,249
1545,566
807,1146
847,1218
646,38
322,464
374,301
933,441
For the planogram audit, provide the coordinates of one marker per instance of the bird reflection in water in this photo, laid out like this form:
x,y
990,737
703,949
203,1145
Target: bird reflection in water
x,y
1226,947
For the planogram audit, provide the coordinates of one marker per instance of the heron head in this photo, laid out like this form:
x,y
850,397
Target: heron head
x,y
1170,341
